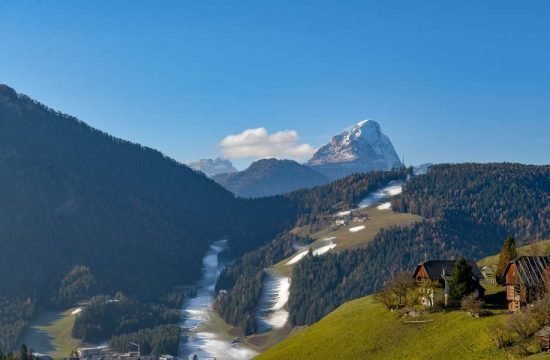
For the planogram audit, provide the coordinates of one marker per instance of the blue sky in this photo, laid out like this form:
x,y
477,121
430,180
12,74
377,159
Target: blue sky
x,y
447,81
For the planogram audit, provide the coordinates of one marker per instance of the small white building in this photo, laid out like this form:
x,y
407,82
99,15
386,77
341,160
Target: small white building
x,y
89,352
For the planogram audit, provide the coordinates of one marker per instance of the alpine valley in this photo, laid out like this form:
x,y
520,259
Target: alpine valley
x,y
108,243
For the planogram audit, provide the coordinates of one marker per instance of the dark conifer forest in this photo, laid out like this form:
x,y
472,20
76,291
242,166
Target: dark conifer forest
x,y
85,213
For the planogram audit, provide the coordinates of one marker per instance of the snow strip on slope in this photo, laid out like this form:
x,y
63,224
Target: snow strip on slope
x,y
198,310
272,312
297,258
392,189
357,228
384,206
213,347
324,249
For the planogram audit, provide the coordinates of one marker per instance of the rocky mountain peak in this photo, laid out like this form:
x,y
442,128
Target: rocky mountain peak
x,y
211,167
362,148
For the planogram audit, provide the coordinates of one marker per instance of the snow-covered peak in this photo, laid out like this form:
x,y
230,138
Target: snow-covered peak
x,y
366,129
364,144
367,124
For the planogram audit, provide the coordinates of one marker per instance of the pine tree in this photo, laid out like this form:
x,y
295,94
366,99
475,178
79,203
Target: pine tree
x,y
461,282
507,253
23,353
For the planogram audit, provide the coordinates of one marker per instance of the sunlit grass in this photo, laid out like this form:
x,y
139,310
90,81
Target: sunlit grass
x,y
363,329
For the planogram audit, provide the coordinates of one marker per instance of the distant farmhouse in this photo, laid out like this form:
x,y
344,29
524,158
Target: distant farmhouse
x,y
527,279
439,273
489,275
344,218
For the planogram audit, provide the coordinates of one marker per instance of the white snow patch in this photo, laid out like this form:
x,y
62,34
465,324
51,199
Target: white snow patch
x,y
357,228
392,189
384,206
323,249
343,213
198,310
272,313
76,311
213,347
297,258
329,238
278,319
371,199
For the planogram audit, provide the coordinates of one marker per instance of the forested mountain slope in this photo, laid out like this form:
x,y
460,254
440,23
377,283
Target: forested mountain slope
x,y
469,210
243,279
268,177
133,220
515,197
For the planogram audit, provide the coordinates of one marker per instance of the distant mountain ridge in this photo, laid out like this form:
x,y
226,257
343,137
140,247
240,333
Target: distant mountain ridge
x,y
211,167
363,148
268,177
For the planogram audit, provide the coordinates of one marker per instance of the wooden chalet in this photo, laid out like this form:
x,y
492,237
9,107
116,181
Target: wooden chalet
x,y
440,272
527,279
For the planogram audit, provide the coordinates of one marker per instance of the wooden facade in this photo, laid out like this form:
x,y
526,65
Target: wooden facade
x,y
525,279
437,273
515,293
422,275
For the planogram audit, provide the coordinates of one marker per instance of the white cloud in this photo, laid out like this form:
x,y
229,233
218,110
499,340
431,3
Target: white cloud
x,y
258,143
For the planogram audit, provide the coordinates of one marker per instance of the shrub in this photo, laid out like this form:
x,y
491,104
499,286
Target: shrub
x,y
522,324
473,306
500,335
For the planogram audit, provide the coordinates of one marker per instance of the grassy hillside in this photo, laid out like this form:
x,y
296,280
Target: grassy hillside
x,y
363,329
50,333
538,248
344,239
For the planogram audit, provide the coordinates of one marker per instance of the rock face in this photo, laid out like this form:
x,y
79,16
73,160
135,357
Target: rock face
x,y
363,148
211,167
270,177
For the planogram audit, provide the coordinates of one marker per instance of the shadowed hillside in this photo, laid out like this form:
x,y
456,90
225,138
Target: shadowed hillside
x,y
83,212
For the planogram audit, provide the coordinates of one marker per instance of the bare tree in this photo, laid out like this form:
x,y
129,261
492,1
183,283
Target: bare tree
x,y
472,305
386,298
396,289
400,284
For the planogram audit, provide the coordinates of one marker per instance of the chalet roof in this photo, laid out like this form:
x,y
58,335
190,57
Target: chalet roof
x,y
530,269
435,268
